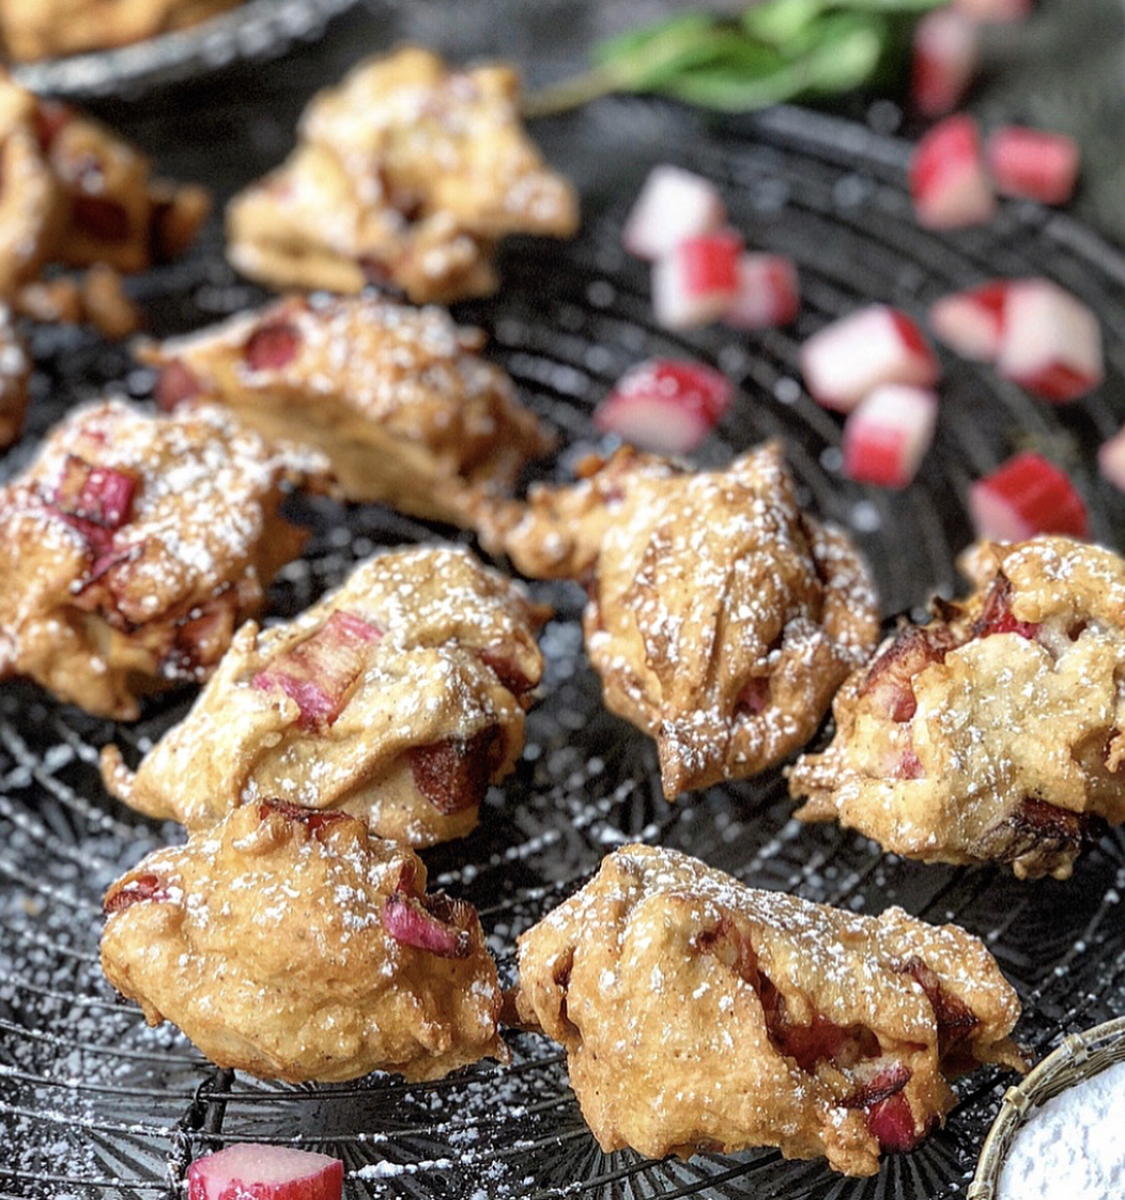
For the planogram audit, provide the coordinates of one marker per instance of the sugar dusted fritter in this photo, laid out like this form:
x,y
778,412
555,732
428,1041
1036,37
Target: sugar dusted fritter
x,y
294,945
399,398
406,173
76,193
52,28
399,698
721,618
994,732
702,1015
133,546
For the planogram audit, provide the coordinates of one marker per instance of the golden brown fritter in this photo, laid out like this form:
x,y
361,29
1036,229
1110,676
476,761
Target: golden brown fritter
x,y
702,1015
293,945
133,546
399,399
399,698
721,618
994,732
406,173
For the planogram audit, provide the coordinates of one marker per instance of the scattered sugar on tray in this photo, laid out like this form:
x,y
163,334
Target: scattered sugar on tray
x,y
1070,1148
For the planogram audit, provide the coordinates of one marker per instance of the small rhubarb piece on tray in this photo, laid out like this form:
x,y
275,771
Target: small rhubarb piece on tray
x,y
971,322
667,405
1025,496
767,295
1111,459
1033,164
248,1171
886,436
849,358
672,204
697,281
1050,342
948,179
945,55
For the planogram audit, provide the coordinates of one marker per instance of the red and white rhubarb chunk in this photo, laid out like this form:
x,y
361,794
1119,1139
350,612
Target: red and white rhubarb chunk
x,y
946,50
886,436
1050,342
852,356
667,405
970,322
248,1171
767,295
949,183
696,282
1033,164
672,204
1111,459
994,11
318,674
1025,496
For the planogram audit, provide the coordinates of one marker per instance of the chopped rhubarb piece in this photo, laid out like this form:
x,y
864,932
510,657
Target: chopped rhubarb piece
x,y
970,322
453,775
954,1018
175,384
105,220
754,698
133,891
500,661
767,296
998,11
271,347
1033,163
1050,342
247,1171
1024,496
886,436
889,678
997,616
908,766
317,674
102,496
51,117
431,923
849,358
1111,459
697,280
664,404
948,180
946,50
892,1122
672,204
314,819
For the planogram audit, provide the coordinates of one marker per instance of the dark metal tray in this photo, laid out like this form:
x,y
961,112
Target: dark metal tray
x,y
94,1104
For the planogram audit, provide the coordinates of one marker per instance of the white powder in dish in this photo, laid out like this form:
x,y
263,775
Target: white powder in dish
x,y
1071,1147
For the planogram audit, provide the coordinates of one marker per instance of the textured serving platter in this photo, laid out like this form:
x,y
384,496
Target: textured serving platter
x,y
95,1104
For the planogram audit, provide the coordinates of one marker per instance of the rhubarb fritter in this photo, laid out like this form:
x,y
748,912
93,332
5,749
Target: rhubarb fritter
x,y
407,173
399,698
721,617
702,1015
400,399
993,733
134,545
293,945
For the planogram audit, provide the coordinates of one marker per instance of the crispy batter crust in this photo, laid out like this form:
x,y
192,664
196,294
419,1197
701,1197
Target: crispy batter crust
x,y
104,612
269,941
993,733
406,173
400,399
431,709
721,617
699,1014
